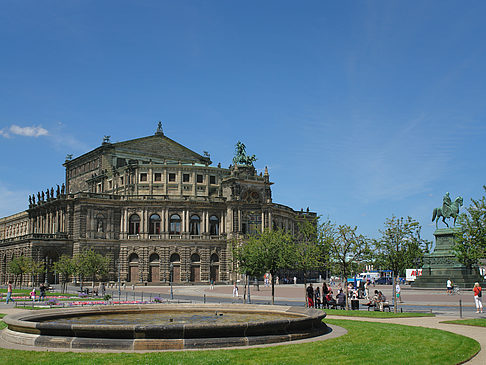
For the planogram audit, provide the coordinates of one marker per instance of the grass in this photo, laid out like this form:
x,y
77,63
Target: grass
x,y
365,343
375,314
478,322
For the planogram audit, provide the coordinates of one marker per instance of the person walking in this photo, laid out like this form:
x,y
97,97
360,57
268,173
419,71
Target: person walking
x,y
449,286
9,292
310,296
398,292
235,290
478,293
42,292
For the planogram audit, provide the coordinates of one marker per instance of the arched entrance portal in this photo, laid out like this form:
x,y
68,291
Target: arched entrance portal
x,y
133,271
175,264
154,272
195,268
214,268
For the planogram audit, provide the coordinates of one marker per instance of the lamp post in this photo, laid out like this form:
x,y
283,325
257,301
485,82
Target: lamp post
x,y
118,263
249,285
171,274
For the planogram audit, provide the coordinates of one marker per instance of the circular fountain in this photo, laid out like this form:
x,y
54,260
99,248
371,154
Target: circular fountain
x,y
162,326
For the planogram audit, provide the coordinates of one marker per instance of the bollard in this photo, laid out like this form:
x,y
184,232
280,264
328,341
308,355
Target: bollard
x,y
460,308
204,298
142,297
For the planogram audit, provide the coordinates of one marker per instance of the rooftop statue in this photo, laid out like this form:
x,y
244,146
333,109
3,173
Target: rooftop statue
x,y
241,158
448,210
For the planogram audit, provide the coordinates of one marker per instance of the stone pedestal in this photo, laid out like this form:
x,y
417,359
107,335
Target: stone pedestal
x,y
441,265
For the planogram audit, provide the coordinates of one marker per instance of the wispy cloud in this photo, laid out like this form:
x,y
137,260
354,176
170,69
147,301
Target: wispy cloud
x,y
13,201
28,131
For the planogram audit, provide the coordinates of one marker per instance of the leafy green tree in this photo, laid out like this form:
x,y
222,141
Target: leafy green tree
x,y
65,267
470,244
346,247
91,265
268,251
34,269
22,265
400,246
309,251
16,268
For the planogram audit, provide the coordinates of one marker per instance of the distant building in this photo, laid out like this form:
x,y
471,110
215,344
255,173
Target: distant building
x,y
151,205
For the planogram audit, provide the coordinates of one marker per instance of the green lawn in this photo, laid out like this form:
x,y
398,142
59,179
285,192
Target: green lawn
x,y
479,322
365,343
375,314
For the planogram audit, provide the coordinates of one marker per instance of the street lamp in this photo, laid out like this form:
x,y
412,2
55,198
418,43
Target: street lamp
x,y
118,263
171,274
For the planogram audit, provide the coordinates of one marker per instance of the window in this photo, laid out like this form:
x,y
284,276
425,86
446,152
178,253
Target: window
x,y
195,258
175,224
110,184
185,178
121,180
172,176
194,225
212,179
213,225
154,224
157,176
214,258
199,178
100,188
134,224
143,176
175,258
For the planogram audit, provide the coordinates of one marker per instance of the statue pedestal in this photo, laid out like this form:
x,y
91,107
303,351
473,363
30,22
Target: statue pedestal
x,y
441,265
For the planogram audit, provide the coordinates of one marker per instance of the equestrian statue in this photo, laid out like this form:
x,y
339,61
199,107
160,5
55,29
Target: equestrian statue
x,y
448,210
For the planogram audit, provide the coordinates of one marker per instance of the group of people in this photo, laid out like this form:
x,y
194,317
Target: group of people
x,y
32,294
316,299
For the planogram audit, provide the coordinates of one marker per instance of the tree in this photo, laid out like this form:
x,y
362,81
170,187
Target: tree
x,y
269,251
16,268
309,252
92,265
346,247
400,246
65,267
34,269
470,244
24,265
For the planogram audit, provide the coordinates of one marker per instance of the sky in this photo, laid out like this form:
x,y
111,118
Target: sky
x,y
360,109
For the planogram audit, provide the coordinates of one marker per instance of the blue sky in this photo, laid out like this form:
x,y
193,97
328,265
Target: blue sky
x,y
360,110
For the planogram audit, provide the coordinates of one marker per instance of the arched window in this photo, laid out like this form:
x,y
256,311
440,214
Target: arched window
x,y
175,258
214,258
195,258
154,258
194,225
133,258
134,224
175,224
100,223
154,224
213,225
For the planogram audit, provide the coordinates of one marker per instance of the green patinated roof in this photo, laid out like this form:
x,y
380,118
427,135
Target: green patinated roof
x,y
160,147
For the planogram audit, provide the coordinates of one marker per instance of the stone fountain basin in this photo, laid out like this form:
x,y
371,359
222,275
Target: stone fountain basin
x,y
28,329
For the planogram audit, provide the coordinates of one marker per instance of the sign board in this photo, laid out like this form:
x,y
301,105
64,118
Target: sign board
x,y
412,274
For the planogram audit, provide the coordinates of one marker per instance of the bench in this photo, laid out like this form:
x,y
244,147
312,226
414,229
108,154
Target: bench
x,y
373,305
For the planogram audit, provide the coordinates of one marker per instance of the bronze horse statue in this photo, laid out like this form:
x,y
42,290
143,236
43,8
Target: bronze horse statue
x,y
448,210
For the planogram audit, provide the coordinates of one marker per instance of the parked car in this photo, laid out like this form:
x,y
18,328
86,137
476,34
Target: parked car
x,y
384,281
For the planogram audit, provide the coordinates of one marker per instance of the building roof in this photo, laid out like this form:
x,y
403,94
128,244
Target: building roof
x,y
157,147
160,147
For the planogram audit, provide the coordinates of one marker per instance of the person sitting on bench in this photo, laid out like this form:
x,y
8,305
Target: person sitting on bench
x,y
341,299
382,303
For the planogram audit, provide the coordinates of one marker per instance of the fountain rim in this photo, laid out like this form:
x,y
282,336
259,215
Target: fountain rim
x,y
23,322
